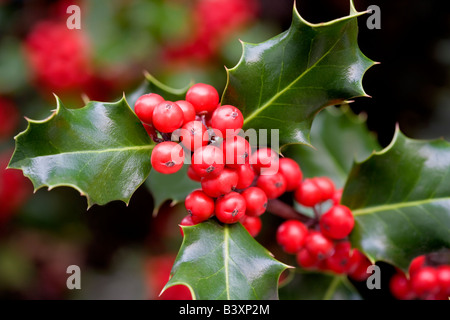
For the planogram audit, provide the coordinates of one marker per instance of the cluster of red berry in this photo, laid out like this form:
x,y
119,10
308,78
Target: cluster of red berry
x,y
426,281
14,187
9,118
322,245
232,188
59,57
213,21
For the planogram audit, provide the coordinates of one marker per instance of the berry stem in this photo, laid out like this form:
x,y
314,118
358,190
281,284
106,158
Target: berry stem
x,y
285,211
438,258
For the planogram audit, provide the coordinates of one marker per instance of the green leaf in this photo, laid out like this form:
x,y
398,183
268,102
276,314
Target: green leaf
x,y
152,85
318,286
339,137
102,150
400,198
223,262
175,187
284,82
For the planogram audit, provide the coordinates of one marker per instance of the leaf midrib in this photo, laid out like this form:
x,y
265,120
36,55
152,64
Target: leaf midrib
x,y
147,147
279,93
395,206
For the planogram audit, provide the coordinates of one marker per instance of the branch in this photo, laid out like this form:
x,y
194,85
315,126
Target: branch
x,y
285,211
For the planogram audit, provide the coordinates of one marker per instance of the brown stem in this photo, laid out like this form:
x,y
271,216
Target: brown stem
x,y
285,211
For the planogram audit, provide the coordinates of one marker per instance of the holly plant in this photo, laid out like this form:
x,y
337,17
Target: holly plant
x,y
342,202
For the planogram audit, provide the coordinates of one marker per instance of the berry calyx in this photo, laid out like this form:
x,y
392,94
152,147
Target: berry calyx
x,y
256,201
291,173
193,135
145,106
208,160
167,117
274,185
199,206
308,193
223,183
228,119
203,97
291,236
230,208
337,222
167,157
319,246
252,224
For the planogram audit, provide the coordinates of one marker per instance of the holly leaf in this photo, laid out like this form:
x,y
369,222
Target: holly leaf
x,y
175,187
307,285
333,154
153,85
223,262
284,82
102,150
400,198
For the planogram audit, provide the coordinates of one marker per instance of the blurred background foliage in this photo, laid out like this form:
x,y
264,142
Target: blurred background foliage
x,y
125,252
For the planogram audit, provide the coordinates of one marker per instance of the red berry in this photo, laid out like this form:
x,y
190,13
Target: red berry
x,y
203,97
167,157
145,105
228,119
188,110
246,176
337,222
417,263
336,198
339,261
425,282
193,135
230,207
308,194
252,224
306,260
400,287
221,184
236,151
186,221
318,245
208,161
274,185
192,175
150,130
358,266
256,201
326,187
167,117
443,275
199,206
264,160
291,173
291,236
